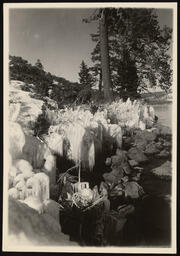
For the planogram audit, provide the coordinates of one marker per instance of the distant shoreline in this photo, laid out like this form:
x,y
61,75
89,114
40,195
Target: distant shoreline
x,y
158,98
159,102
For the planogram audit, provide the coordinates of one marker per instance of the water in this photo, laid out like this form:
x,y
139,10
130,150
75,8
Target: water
x,y
164,113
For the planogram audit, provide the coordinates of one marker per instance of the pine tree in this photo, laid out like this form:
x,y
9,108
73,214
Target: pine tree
x,y
137,50
85,77
104,69
39,65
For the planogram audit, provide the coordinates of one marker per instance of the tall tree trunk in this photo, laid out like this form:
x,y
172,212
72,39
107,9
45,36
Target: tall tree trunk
x,y
100,80
106,78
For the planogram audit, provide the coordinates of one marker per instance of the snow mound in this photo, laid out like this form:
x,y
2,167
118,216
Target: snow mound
x,y
29,110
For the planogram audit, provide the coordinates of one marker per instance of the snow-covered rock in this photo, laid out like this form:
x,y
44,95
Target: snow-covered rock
x,y
24,167
28,227
34,203
30,108
13,192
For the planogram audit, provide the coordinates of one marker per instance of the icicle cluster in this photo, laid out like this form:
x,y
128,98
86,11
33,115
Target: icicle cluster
x,y
26,154
131,114
86,132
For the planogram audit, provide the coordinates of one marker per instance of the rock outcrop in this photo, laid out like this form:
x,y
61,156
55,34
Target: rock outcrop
x,y
27,227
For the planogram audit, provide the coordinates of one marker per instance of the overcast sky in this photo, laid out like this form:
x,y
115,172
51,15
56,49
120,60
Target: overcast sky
x,y
58,37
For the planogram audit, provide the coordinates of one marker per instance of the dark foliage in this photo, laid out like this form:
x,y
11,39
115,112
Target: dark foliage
x,y
41,125
45,84
85,77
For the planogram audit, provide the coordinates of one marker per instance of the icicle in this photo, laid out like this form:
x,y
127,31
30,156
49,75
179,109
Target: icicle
x,y
151,112
75,134
55,143
14,111
44,184
16,140
91,156
79,172
35,184
21,187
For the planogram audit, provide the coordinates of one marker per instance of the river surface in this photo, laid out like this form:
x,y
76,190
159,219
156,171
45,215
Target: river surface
x,y
164,113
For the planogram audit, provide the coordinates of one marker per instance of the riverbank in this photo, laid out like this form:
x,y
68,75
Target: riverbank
x,y
157,98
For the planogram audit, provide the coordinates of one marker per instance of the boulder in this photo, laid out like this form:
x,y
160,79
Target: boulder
x,y
133,189
39,229
145,135
137,154
116,160
167,144
133,163
151,149
141,144
30,108
116,191
119,160
126,168
163,130
122,154
164,153
23,167
143,138
114,176
159,145
109,178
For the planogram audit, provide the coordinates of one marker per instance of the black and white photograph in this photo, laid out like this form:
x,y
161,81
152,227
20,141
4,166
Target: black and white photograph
x,y
90,127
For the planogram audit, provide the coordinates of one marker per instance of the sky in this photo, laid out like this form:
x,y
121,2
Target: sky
x,y
58,37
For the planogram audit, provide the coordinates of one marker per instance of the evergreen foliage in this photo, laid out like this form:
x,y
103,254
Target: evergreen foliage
x,y
39,65
85,77
63,91
138,51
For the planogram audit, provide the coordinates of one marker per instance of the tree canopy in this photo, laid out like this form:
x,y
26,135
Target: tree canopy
x,y
138,50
